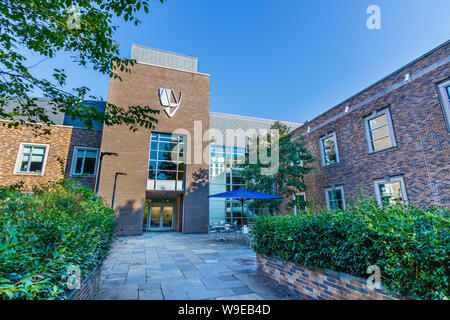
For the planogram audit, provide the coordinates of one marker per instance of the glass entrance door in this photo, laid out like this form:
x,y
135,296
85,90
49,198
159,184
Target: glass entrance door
x,y
161,216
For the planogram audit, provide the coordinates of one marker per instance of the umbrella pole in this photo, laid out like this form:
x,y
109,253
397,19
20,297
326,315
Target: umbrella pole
x,y
242,210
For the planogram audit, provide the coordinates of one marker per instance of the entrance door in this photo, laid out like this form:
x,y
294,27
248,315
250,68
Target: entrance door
x,y
161,216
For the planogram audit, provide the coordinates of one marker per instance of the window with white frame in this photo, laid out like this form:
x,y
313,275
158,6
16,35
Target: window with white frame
x,y
300,202
391,191
444,92
379,131
335,198
329,149
31,158
84,161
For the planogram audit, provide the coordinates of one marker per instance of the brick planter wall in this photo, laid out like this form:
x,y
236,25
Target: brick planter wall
x,y
318,284
88,288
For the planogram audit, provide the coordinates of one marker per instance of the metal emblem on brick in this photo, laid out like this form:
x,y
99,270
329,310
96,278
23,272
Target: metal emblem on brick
x,y
169,100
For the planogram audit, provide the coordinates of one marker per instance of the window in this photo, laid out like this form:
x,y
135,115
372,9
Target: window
x,y
300,202
335,198
329,149
391,191
31,158
444,92
84,161
167,163
379,131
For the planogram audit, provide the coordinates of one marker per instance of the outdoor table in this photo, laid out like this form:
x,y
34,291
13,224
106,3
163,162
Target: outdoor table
x,y
219,229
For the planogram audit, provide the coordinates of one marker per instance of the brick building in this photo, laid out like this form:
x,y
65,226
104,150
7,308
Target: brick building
x,y
391,139
159,178
38,159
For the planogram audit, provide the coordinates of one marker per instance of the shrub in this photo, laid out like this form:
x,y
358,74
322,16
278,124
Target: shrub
x,y
44,232
411,246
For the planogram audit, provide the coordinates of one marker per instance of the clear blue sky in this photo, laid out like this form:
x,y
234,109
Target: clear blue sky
x,y
286,60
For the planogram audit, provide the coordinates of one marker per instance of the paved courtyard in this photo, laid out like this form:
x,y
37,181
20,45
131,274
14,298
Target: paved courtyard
x,y
174,266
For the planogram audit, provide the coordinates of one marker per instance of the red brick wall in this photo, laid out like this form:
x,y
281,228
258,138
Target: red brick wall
x,y
423,139
61,141
318,284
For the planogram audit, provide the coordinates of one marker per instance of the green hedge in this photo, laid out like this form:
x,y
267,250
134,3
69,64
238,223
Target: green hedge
x,y
411,246
44,232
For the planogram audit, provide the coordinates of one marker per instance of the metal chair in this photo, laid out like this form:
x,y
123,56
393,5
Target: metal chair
x,y
228,231
246,233
221,231
213,230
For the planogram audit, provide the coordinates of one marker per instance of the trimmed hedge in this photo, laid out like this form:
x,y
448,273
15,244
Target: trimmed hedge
x,y
44,232
411,246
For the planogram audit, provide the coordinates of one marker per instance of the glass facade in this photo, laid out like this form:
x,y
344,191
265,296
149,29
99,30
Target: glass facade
x,y
167,162
225,176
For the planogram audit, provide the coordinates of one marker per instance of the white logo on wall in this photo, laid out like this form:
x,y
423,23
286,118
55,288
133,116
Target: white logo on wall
x,y
165,97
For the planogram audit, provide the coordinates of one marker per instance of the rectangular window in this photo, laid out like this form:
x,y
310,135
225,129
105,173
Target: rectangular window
x,y
300,202
379,131
391,191
329,149
444,92
31,158
84,161
335,198
167,164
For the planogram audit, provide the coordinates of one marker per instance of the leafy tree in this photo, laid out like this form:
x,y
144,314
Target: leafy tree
x,y
82,28
287,179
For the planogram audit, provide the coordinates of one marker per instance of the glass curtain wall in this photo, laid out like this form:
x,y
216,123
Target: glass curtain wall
x,y
225,176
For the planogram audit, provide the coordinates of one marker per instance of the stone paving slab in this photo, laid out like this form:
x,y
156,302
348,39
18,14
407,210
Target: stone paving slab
x,y
174,266
241,297
123,292
150,294
209,294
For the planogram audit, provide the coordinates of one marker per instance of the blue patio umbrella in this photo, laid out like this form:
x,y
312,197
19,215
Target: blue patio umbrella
x,y
243,194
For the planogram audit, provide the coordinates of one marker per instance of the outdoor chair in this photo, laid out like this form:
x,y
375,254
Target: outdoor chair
x,y
247,235
213,230
221,231
228,231
237,231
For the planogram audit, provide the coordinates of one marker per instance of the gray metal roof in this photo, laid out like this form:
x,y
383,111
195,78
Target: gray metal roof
x,y
46,103
57,117
162,58
224,121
